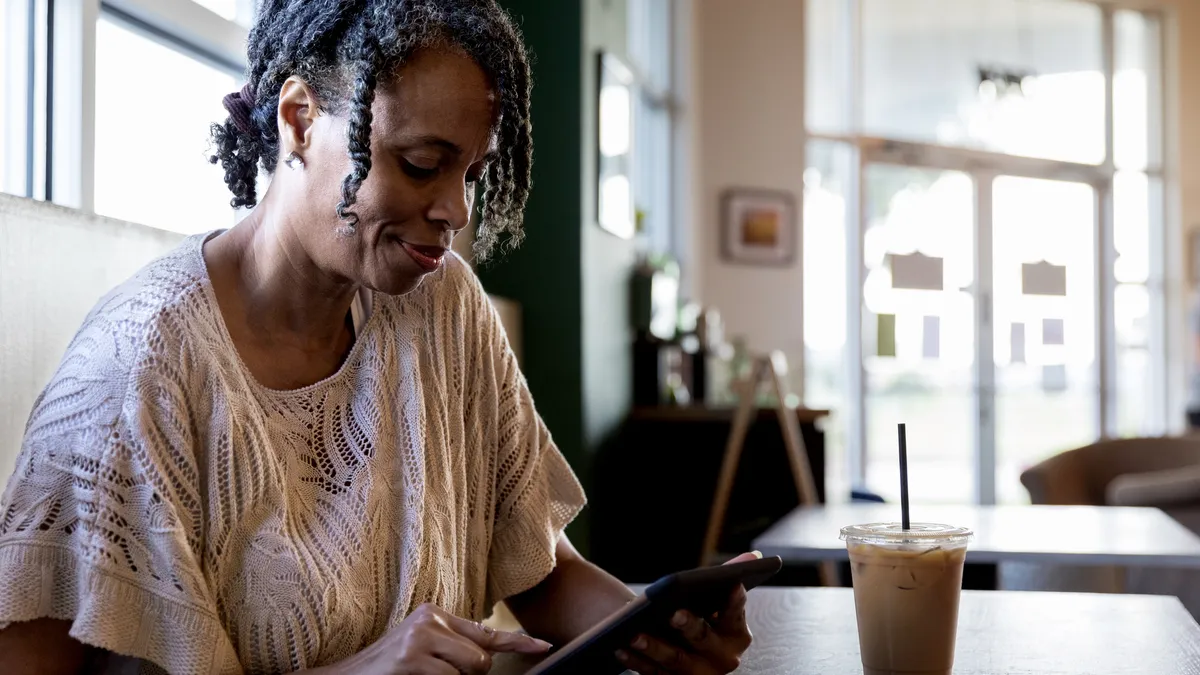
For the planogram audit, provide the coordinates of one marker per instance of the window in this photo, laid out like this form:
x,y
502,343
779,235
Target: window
x,y
1013,76
7,91
827,213
107,105
828,77
151,164
241,11
1138,305
15,97
650,47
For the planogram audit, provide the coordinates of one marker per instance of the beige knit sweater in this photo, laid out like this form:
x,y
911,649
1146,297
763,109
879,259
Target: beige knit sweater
x,y
183,515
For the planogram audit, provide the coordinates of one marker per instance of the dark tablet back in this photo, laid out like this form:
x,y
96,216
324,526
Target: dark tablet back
x,y
702,591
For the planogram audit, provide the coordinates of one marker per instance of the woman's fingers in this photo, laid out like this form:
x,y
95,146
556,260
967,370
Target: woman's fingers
x,y
638,663
497,640
431,635
706,642
668,658
464,646
745,557
461,654
731,621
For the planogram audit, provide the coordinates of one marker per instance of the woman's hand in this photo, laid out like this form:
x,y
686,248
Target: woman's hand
x,y
715,646
433,642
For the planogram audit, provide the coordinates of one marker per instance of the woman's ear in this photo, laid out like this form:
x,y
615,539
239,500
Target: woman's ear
x,y
298,110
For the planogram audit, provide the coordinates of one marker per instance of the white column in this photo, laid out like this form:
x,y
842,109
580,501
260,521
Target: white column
x,y
73,136
985,360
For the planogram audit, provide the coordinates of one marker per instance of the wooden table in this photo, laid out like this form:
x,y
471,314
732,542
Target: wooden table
x,y
1059,535
812,631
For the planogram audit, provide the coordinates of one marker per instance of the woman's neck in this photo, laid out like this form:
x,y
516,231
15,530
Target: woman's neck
x,y
279,289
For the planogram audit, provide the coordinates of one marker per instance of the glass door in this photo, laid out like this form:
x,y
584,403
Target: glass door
x,y
918,303
979,327
1044,291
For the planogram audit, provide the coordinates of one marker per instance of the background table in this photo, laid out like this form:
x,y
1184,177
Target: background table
x,y
647,521
1066,535
812,631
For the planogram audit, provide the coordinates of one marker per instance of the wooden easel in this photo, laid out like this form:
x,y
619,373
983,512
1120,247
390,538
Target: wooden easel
x,y
772,370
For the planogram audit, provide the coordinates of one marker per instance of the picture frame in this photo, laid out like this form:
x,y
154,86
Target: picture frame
x,y
615,138
758,227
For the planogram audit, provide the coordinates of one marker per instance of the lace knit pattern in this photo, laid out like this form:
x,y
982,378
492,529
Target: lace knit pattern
x,y
181,513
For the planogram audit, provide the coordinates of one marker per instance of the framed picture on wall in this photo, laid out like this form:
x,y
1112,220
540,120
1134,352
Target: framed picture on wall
x,y
758,227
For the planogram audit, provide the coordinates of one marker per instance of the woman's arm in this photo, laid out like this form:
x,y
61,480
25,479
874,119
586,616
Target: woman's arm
x,y
42,647
576,596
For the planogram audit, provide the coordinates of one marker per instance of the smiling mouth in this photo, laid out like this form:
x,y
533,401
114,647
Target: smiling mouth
x,y
428,258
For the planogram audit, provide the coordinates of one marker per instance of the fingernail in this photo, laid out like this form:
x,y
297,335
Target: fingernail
x,y
640,642
622,656
541,644
679,620
757,554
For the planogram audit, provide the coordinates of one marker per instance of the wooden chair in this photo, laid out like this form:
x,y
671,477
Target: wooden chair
x,y
770,370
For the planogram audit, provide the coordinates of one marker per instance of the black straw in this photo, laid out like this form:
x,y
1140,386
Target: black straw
x,y
904,479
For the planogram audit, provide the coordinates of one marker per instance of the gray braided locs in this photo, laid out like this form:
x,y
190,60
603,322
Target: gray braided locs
x,y
358,128
344,49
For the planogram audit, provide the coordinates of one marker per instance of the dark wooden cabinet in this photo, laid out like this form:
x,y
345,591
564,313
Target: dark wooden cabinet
x,y
652,488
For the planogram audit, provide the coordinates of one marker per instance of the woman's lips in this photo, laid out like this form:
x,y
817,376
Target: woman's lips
x,y
428,258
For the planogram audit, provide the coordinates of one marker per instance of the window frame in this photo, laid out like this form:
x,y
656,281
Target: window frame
x,y
665,98
18,79
63,149
1164,311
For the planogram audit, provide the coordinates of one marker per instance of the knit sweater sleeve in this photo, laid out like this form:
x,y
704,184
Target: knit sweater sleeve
x,y
536,493
100,523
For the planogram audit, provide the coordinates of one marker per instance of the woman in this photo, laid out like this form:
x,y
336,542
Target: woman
x,y
304,443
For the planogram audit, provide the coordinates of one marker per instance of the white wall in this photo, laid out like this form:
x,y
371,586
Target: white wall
x,y
55,263
750,93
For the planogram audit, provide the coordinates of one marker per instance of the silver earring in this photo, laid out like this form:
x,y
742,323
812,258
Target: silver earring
x,y
292,160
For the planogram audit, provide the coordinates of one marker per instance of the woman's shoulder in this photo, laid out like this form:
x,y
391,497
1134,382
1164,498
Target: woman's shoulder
x,y
159,284
144,315
127,349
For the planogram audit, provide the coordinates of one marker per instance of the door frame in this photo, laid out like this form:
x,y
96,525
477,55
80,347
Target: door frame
x,y
983,167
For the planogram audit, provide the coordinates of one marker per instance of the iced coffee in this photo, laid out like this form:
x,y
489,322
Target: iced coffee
x,y
906,589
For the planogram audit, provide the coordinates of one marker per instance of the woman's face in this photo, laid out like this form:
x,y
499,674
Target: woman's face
x,y
431,138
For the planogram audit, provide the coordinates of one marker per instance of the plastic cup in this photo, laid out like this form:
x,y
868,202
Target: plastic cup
x,y
906,589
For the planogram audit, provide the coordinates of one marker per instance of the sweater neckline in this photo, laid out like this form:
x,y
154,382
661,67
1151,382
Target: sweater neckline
x,y
210,295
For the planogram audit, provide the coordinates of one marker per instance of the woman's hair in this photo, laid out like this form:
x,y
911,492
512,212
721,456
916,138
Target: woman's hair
x,y
343,49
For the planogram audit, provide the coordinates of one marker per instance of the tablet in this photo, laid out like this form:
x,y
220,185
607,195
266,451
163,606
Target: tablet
x,y
701,591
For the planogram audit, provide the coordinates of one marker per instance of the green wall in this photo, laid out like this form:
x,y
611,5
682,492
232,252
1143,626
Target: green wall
x,y
570,277
543,275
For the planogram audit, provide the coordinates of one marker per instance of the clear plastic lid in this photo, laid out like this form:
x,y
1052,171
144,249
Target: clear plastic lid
x,y
917,533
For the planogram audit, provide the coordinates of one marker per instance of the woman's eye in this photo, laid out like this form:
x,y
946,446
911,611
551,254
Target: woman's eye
x,y
417,171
